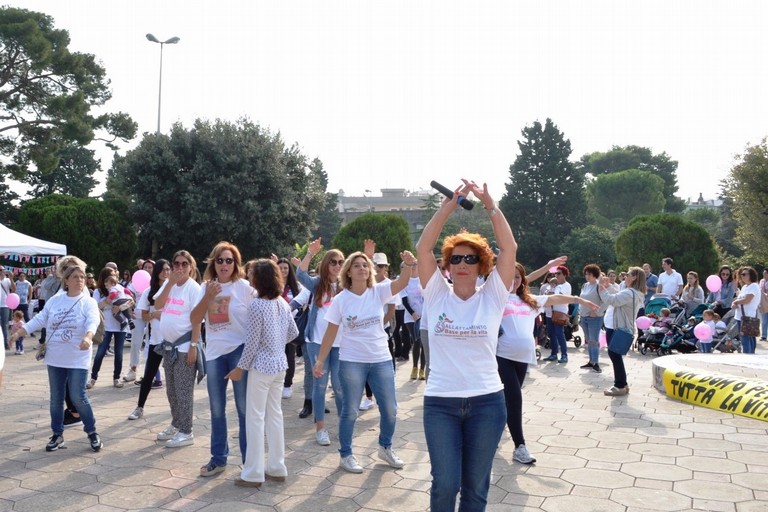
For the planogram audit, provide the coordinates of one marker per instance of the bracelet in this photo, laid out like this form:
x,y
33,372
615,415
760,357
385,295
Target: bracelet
x,y
492,211
194,343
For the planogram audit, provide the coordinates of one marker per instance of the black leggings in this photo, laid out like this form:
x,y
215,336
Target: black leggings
x,y
290,353
619,372
402,339
512,375
151,366
418,354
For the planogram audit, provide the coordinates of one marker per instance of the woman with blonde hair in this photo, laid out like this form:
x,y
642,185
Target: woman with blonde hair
x,y
223,302
693,293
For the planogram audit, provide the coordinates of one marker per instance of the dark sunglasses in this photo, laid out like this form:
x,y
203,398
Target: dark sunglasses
x,y
382,266
333,263
469,259
725,274
221,261
184,264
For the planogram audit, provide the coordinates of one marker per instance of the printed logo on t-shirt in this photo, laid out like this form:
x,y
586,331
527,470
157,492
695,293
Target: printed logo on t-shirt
x,y
218,310
446,327
518,309
354,323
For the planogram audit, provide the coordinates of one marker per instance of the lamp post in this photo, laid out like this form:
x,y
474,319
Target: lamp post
x,y
153,39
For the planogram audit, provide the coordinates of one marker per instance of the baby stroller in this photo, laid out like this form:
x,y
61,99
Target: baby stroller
x,y
652,338
727,339
679,338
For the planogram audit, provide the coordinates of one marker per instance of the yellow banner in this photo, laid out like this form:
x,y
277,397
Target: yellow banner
x,y
737,395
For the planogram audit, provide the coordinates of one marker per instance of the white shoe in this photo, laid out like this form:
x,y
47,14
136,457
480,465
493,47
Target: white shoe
x,y
180,439
130,376
287,392
389,456
136,414
322,437
118,383
365,404
349,463
90,383
168,433
522,455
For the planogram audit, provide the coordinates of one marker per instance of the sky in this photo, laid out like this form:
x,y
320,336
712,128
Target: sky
x,y
395,94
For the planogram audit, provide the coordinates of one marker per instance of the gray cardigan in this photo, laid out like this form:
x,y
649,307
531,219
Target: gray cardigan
x,y
626,303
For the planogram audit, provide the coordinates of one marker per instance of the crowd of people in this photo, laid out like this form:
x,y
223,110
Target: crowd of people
x,y
465,320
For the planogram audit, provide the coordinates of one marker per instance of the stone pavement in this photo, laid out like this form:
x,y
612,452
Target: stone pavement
x,y
595,453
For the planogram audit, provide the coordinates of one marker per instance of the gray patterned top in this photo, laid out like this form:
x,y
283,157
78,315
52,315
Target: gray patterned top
x,y
269,327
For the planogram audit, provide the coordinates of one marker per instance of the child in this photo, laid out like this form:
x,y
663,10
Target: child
x,y
708,318
666,317
118,297
18,323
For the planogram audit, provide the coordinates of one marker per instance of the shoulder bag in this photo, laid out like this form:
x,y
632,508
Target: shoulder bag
x,y
750,325
622,338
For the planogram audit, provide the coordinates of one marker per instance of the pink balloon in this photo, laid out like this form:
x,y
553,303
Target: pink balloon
x,y
140,280
552,270
714,283
12,301
702,331
602,339
643,322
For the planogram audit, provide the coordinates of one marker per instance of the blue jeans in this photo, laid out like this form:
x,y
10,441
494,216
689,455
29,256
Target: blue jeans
x,y
215,371
5,315
462,436
102,351
748,343
556,338
591,326
320,386
381,378
72,379
764,325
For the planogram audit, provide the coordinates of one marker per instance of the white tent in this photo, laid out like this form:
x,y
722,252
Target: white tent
x,y
19,243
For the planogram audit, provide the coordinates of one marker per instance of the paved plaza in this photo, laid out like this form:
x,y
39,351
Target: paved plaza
x,y
639,452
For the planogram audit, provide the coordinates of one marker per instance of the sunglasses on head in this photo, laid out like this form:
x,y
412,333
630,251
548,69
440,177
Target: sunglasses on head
x,y
469,259
333,263
181,264
221,261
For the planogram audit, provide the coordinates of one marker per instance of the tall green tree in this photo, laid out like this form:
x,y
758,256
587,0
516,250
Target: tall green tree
x,y
390,232
649,238
217,181
622,158
613,199
47,94
590,244
544,200
74,175
8,212
747,187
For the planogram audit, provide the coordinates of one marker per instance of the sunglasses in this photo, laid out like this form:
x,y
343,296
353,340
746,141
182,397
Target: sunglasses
x,y
178,264
334,263
726,274
382,266
221,261
469,259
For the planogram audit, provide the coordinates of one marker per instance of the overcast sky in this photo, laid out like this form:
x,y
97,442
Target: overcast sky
x,y
395,94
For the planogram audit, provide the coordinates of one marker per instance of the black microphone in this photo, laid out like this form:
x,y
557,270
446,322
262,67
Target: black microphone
x,y
463,201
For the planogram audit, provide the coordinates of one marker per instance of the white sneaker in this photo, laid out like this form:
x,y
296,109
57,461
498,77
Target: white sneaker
x,y
90,383
136,414
349,463
287,392
322,437
389,456
365,404
118,383
522,455
168,433
180,439
130,376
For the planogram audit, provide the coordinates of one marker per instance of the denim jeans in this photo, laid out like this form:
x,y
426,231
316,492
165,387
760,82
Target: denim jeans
x,y
556,338
748,343
320,386
5,315
215,370
764,325
381,378
462,437
619,372
591,326
73,379
102,351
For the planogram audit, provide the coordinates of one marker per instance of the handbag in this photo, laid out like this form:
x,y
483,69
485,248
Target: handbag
x,y
559,318
622,338
750,325
301,323
763,308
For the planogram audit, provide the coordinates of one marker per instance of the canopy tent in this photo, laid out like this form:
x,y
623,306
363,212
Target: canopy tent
x,y
14,242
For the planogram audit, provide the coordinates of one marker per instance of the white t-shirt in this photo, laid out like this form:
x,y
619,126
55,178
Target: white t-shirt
x,y
144,305
750,308
175,321
669,283
5,290
415,298
560,289
463,335
361,324
517,343
226,317
321,324
110,323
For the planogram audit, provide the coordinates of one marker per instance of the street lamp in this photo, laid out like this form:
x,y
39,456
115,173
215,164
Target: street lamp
x,y
153,39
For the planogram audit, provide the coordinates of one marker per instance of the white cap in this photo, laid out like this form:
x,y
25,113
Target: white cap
x,y
380,258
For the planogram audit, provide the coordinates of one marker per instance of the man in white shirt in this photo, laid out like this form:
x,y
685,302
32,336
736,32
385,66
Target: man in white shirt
x,y
670,281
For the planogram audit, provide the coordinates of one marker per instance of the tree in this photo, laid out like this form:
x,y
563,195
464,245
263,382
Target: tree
x,y
219,181
747,188
613,199
590,244
329,219
8,212
96,231
47,93
390,232
73,177
544,200
637,157
649,238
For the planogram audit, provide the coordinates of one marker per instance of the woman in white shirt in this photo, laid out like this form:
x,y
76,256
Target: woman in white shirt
x,y
270,327
113,331
556,332
464,408
223,302
749,300
363,351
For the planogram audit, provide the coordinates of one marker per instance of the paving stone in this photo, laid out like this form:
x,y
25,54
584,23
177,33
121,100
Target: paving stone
x,y
64,501
579,504
711,465
652,471
597,478
712,490
653,499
